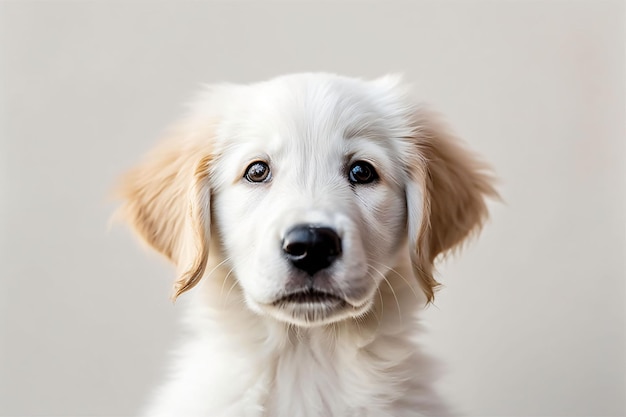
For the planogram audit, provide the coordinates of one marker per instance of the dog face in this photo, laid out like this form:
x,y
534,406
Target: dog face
x,y
312,186
309,198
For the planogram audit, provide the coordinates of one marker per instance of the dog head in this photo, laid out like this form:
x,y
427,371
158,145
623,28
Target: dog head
x,y
310,187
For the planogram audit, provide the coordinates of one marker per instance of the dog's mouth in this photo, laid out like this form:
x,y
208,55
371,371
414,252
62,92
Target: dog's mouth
x,y
310,296
311,307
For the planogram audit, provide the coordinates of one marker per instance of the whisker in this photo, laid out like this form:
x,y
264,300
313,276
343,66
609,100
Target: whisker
x,y
335,334
298,335
378,318
225,278
408,283
356,321
343,293
392,291
380,297
224,283
230,290
290,332
227,259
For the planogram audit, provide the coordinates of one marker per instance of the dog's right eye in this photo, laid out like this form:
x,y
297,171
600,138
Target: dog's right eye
x,y
362,172
257,172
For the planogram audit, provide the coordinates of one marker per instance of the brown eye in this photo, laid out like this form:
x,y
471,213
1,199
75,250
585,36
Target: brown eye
x,y
362,172
257,172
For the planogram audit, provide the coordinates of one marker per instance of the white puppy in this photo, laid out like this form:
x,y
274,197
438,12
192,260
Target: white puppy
x,y
308,210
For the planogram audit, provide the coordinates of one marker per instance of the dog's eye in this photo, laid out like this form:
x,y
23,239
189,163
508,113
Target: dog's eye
x,y
362,172
257,172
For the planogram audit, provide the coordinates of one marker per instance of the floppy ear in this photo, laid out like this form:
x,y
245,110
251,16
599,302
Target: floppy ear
x,y
166,199
454,185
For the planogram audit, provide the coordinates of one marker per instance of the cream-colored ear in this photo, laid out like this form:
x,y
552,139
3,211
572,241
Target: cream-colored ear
x,y
166,199
455,185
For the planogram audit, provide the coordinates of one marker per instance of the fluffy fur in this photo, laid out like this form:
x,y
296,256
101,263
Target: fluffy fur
x,y
248,355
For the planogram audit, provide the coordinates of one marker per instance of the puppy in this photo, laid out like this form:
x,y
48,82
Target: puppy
x,y
308,211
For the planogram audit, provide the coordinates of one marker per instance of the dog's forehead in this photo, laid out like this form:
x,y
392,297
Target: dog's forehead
x,y
311,110
304,121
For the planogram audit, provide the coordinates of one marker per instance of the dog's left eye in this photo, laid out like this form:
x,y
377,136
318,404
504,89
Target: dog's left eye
x,y
257,172
362,172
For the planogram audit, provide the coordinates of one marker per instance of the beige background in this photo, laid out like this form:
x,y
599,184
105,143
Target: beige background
x,y
531,320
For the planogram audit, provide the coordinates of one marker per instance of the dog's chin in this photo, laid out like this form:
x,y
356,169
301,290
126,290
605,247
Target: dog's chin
x,y
310,309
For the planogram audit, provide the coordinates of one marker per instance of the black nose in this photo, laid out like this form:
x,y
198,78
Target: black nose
x,y
311,248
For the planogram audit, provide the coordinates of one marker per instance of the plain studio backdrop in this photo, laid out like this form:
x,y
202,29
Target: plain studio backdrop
x,y
531,319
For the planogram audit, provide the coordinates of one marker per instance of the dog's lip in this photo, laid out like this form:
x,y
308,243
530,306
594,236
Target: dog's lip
x,y
308,296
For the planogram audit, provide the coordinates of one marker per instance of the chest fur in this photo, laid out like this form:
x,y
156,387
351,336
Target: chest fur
x,y
309,380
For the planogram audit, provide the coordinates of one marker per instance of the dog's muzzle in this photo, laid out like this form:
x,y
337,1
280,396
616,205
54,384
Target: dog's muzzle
x,y
311,248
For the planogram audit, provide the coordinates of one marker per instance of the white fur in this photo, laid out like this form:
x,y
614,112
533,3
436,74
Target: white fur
x,y
244,357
